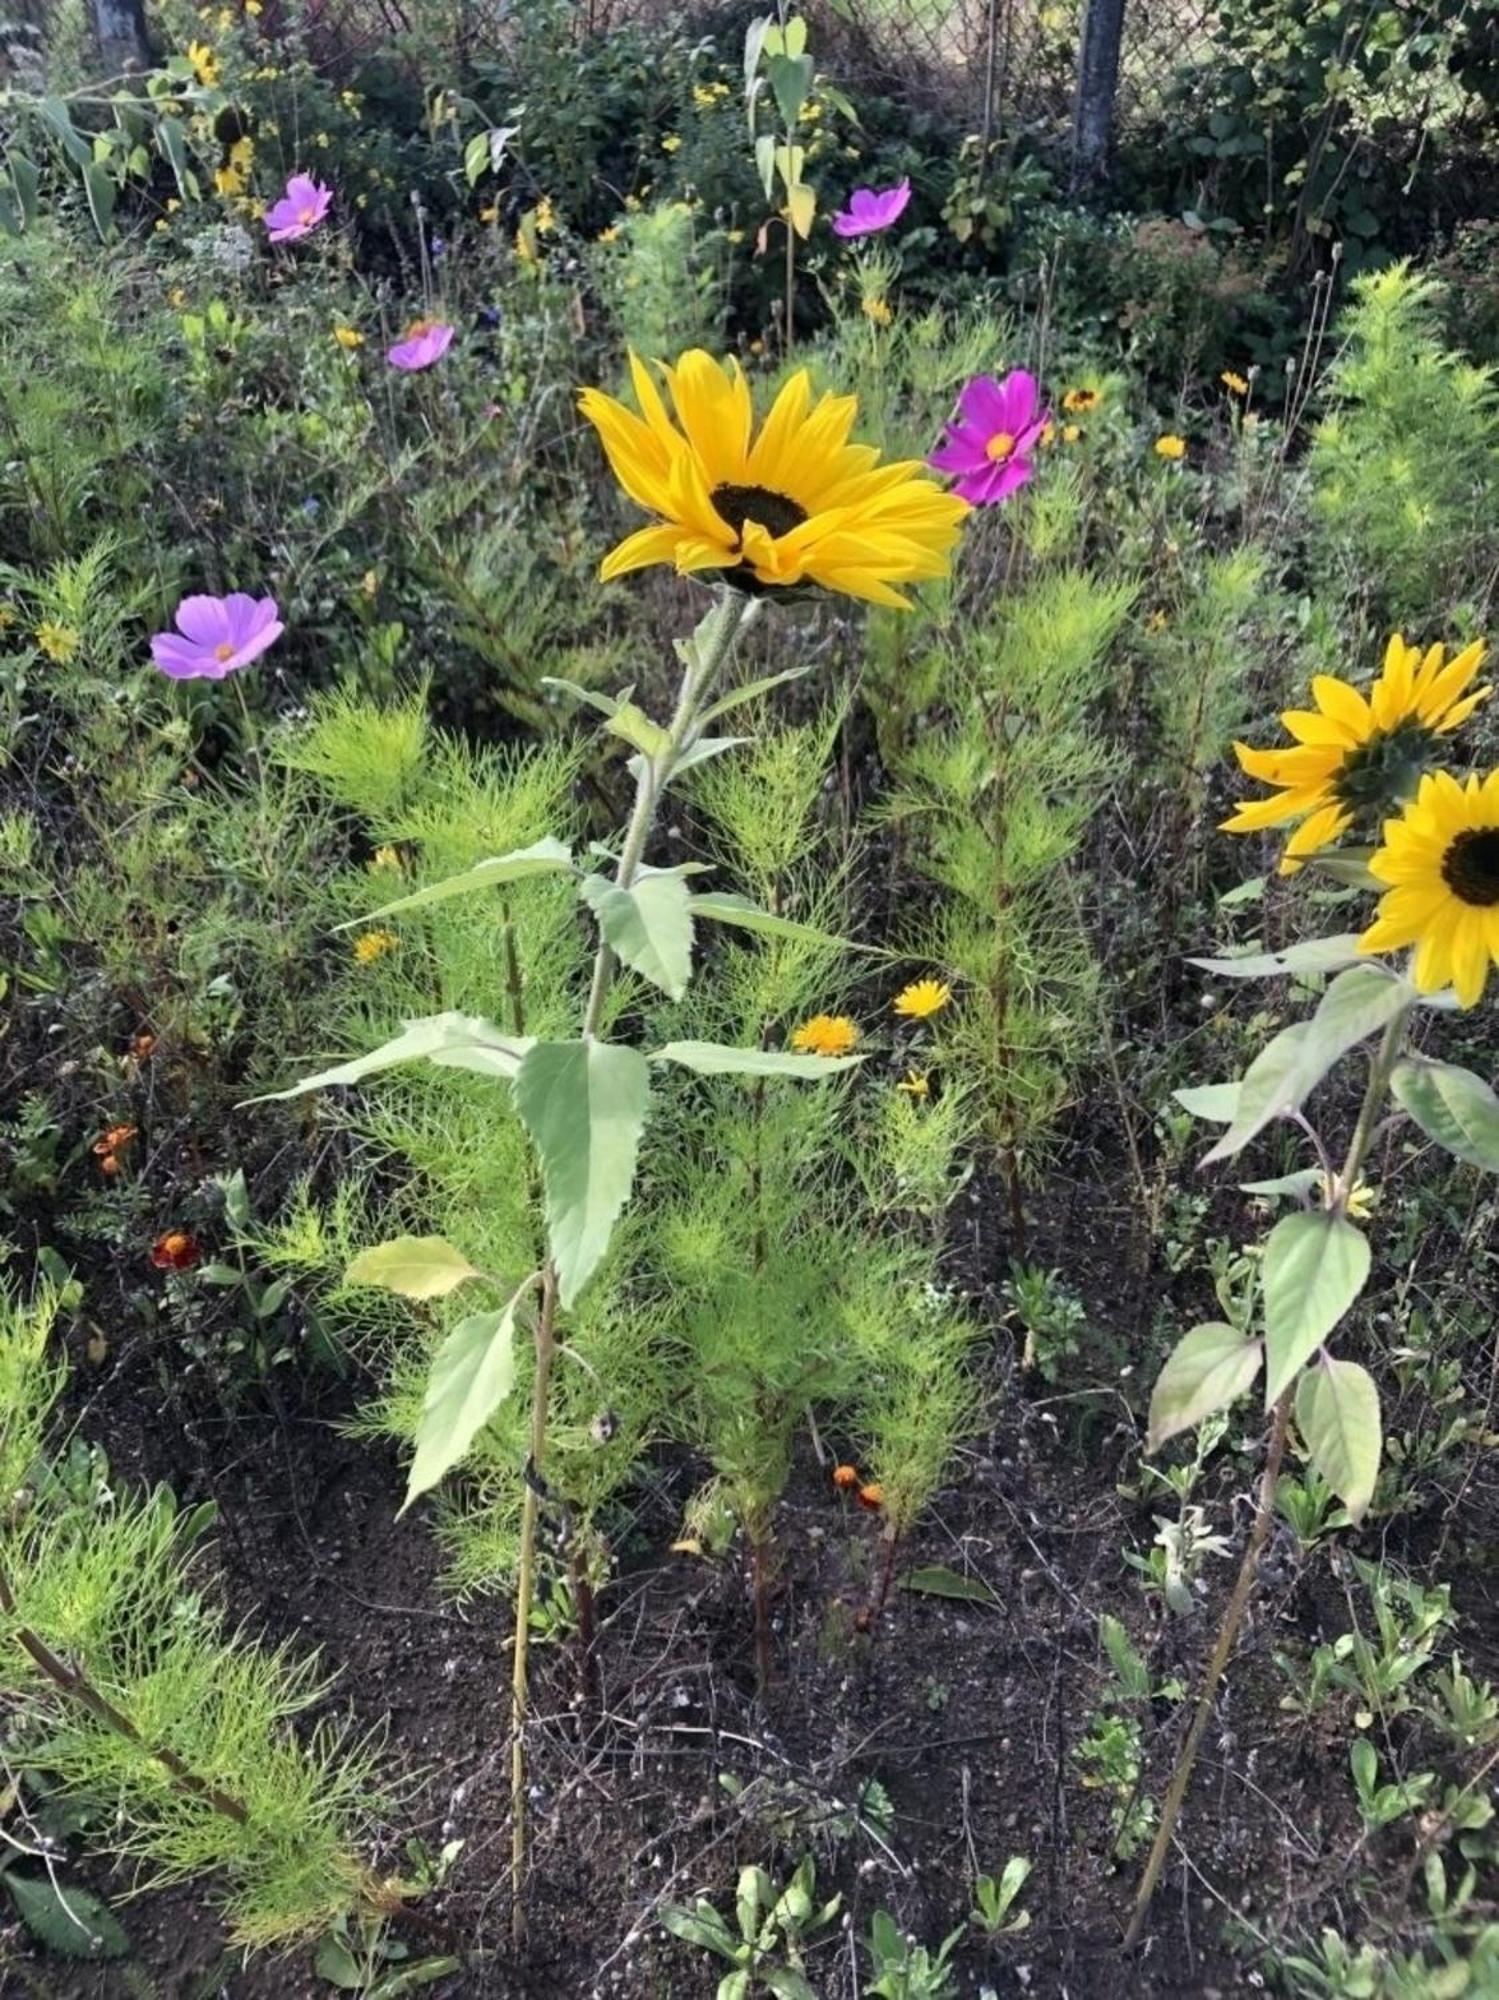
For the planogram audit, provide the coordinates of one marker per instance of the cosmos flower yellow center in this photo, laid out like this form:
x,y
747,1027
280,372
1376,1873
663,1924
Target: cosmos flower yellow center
x,y
999,446
1470,867
223,650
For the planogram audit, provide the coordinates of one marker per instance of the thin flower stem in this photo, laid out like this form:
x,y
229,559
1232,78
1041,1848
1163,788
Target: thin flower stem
x,y
1380,1069
702,661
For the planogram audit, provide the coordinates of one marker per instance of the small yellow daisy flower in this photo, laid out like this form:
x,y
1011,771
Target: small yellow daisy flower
x,y
915,1083
878,310
205,63
1072,433
922,998
672,143
60,643
1077,402
546,216
229,180
370,945
1236,384
825,1035
609,235
1171,447
348,337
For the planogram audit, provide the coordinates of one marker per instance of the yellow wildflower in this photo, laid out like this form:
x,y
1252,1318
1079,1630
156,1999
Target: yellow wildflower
x,y
490,214
205,63
59,642
546,216
1077,402
916,1083
229,180
1071,433
825,1035
1156,622
1233,382
372,945
609,235
348,337
177,298
922,998
385,861
672,143
878,310
1171,447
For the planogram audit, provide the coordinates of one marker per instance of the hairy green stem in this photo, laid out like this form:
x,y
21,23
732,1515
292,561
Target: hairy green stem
x,y
1380,1069
702,661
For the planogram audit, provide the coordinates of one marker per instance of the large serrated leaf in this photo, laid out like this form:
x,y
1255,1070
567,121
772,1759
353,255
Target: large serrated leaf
x,y
473,1371
418,1267
71,1922
1337,1413
648,926
451,1041
1452,1106
584,1104
1315,1266
1330,954
543,857
1357,1004
720,1059
1208,1369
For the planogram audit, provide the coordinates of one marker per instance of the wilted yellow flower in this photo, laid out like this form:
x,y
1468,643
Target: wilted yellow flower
x,y
1234,382
370,945
916,1083
1171,446
59,642
609,235
205,63
369,583
1078,401
546,216
348,337
490,214
922,998
177,298
672,143
321,141
1157,621
385,861
878,310
1072,433
825,1035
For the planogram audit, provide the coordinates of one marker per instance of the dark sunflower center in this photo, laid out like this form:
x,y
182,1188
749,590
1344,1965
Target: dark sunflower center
x,y
1470,867
773,511
1386,769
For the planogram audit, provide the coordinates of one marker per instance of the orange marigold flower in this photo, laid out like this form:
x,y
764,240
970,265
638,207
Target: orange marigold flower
x,y
176,1250
115,1140
872,1496
845,1477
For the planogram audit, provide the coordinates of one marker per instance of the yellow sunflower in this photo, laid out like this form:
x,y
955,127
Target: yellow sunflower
x,y
825,1035
795,504
1353,754
1441,862
1076,402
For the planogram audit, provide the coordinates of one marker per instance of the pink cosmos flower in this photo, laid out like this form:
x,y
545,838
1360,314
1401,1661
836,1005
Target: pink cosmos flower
x,y
217,635
869,211
299,210
426,341
990,446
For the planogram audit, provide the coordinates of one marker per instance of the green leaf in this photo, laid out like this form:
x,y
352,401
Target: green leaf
x,y
726,908
754,44
101,192
1315,955
169,138
1358,1002
452,1041
58,119
1208,1369
1299,1183
719,1059
696,753
1452,1106
476,158
648,925
472,1373
26,180
543,857
584,1105
418,1267
939,1581
1217,1102
638,730
801,205
1315,1266
790,78
737,697
606,704
1337,1413
765,161
71,1922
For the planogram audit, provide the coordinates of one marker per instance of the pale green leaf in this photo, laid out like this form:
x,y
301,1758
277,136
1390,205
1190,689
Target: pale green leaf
x,y
1208,1369
648,925
1299,1183
726,908
606,704
939,1581
737,697
700,752
801,205
1217,1102
418,1267
638,730
169,138
1357,1004
1315,1266
543,857
584,1105
1315,955
1337,1413
101,193
719,1059
1451,1105
473,1371
452,1041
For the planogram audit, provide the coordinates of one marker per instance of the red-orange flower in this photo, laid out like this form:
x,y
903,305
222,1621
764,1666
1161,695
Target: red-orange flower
x,y
872,1496
176,1250
109,1145
845,1477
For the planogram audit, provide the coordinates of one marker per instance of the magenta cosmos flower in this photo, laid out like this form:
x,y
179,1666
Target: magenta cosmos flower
x,y
299,210
217,635
425,341
990,445
870,211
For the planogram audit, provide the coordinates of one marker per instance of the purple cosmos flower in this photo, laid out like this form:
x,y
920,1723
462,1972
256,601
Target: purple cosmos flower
x,y
217,635
869,211
299,210
990,446
426,341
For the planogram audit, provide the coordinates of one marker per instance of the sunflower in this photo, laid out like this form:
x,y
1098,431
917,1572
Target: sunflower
x,y
1353,754
1077,401
825,1035
797,504
1441,862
